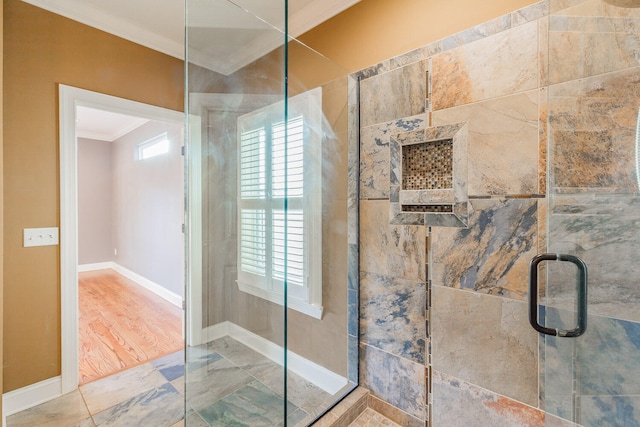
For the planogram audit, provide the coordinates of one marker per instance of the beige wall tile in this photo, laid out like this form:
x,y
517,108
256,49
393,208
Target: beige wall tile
x,y
486,341
499,65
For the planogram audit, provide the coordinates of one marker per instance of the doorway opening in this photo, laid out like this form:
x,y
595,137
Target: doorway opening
x,y
130,242
137,263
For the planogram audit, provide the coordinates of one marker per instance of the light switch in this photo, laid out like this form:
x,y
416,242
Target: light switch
x,y
40,236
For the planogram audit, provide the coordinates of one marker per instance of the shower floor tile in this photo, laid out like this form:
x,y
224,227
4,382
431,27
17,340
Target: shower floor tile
x,y
371,418
225,380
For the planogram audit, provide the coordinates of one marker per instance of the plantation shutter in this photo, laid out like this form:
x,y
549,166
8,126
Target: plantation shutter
x,y
281,160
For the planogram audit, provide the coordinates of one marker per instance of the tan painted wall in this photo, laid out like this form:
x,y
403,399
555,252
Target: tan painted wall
x,y
42,50
374,30
1,200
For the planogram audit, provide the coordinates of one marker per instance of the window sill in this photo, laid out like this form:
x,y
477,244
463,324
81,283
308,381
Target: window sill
x,y
296,304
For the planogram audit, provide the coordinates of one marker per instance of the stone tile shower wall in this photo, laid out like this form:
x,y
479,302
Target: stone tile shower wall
x,y
444,334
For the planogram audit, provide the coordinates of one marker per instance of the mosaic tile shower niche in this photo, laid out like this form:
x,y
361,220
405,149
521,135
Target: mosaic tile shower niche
x,y
429,176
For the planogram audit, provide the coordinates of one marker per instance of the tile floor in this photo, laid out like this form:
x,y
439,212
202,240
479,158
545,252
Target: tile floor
x,y
371,418
227,383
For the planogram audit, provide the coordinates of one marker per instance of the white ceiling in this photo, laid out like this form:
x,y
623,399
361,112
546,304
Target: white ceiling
x,y
223,36
104,125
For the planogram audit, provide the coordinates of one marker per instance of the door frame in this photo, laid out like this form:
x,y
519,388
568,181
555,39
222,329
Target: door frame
x,y
70,98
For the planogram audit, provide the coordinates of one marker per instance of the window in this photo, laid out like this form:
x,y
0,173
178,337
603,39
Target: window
x,y
281,161
153,147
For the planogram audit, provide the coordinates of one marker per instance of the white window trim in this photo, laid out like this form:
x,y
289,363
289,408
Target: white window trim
x,y
156,140
309,104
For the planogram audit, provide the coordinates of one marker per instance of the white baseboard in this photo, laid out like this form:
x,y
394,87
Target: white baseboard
x,y
30,396
95,266
161,291
310,371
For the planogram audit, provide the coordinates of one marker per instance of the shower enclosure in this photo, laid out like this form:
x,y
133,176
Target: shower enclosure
x,y
272,312
593,214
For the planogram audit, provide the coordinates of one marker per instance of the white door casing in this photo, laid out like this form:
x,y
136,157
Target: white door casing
x,y
69,99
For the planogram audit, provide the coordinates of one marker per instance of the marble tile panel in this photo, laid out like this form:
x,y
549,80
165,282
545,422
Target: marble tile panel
x,y
618,411
543,140
390,250
502,132
592,129
107,392
496,332
352,320
199,357
604,356
253,405
457,403
161,407
583,46
393,379
67,410
193,420
372,71
478,32
602,231
564,6
543,51
374,154
494,66
170,366
352,364
492,255
416,55
530,13
207,385
371,418
393,95
393,413
392,315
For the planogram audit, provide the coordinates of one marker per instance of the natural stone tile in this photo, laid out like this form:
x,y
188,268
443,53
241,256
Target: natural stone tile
x,y
602,231
371,418
374,154
543,137
207,385
592,129
459,403
492,255
583,46
392,315
599,363
498,65
67,410
416,55
502,132
112,390
162,406
405,92
530,13
610,410
254,405
543,51
393,379
390,250
170,366
478,32
496,332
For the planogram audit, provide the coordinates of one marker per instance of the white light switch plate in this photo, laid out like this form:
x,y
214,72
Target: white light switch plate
x,y
40,236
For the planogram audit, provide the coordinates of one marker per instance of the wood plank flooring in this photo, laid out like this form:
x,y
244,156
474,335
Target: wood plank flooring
x,y
122,325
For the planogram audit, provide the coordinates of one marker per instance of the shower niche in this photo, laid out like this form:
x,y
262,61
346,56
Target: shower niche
x,y
429,176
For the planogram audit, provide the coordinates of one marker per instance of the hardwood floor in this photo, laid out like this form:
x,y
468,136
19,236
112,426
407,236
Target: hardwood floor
x,y
122,325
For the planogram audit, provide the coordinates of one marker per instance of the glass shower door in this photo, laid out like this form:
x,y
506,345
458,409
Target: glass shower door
x,y
272,292
592,106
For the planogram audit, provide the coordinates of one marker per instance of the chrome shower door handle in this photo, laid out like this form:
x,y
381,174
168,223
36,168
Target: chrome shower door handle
x,y
581,327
